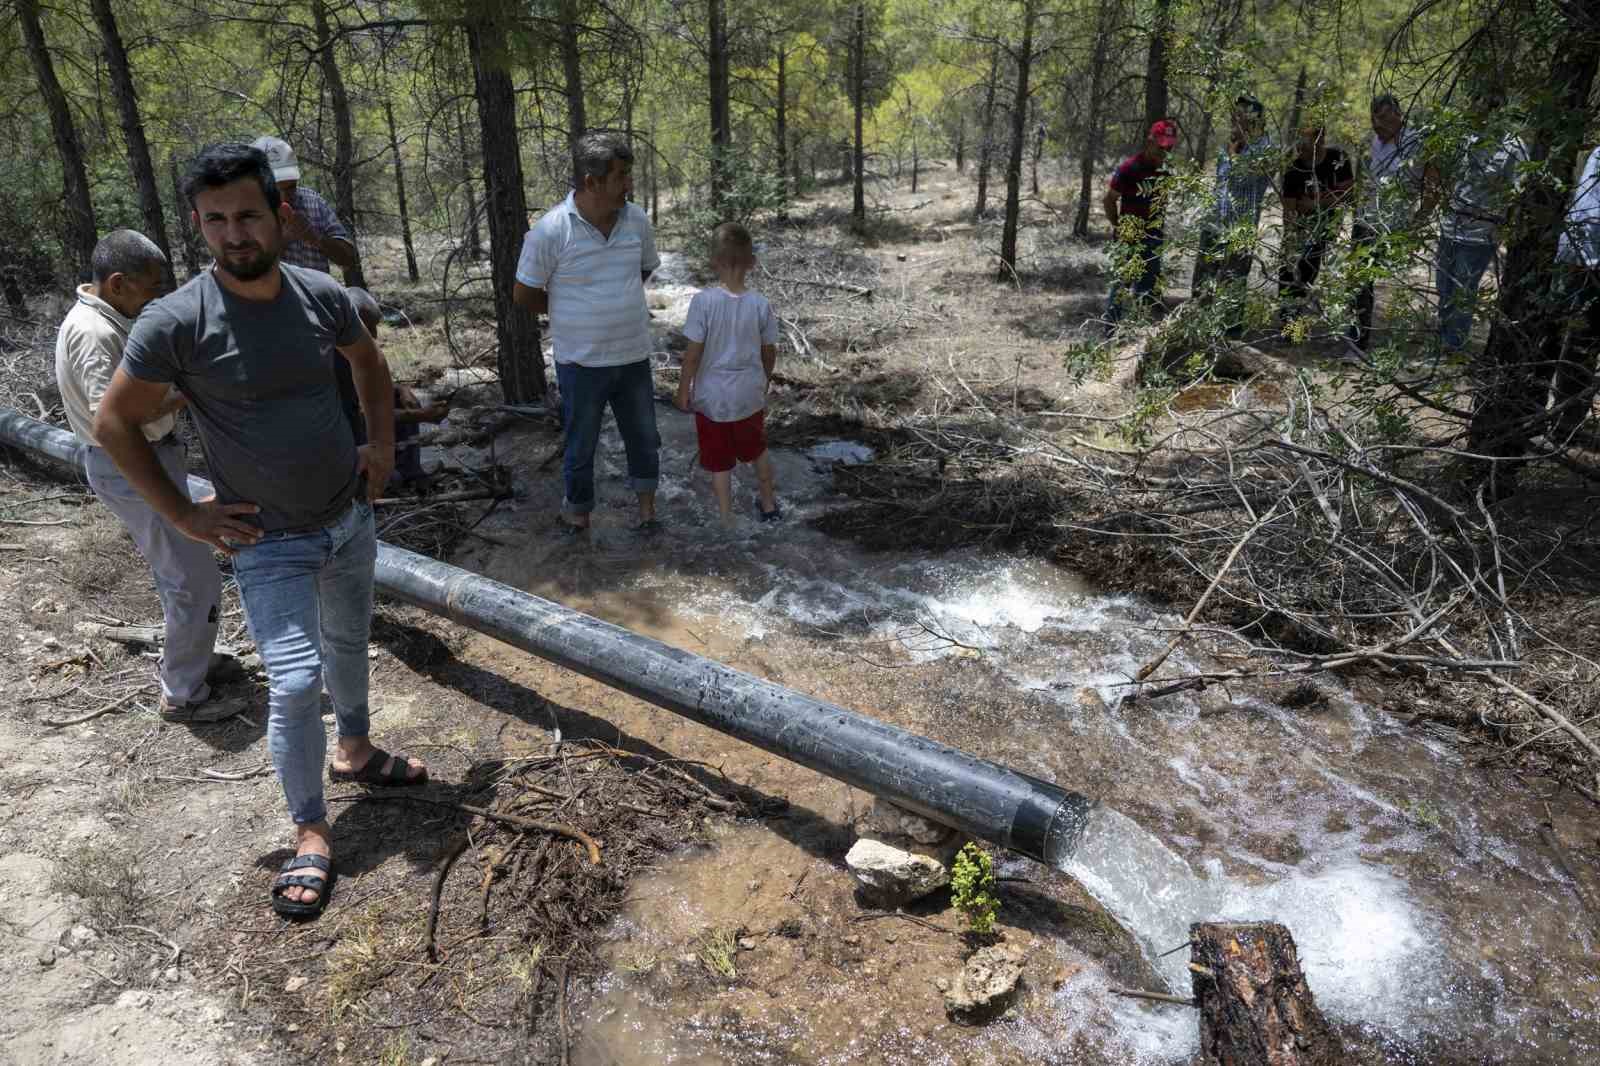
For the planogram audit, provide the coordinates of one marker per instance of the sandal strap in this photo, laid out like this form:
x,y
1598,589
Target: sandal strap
x,y
311,860
400,769
283,882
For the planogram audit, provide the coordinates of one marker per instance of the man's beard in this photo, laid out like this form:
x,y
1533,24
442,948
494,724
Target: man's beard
x,y
251,269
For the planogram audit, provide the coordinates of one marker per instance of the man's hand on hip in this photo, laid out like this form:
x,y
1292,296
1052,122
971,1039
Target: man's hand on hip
x,y
377,462
219,524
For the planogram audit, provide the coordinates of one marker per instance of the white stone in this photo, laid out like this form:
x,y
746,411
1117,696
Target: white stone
x,y
79,937
986,985
893,875
295,983
133,999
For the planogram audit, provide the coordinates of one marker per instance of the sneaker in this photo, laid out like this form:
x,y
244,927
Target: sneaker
x,y
202,713
224,668
770,516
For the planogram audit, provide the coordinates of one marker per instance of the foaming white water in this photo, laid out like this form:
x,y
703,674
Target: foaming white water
x,y
1363,944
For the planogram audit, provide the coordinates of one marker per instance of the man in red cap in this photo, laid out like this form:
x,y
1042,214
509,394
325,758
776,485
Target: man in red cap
x,y
1133,207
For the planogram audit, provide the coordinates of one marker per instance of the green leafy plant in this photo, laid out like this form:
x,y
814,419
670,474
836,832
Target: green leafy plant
x,y
972,888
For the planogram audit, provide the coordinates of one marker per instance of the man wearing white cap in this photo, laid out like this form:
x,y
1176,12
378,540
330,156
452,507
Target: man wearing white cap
x,y
315,235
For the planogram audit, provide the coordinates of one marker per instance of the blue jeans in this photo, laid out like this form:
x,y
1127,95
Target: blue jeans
x,y
308,602
1459,271
585,391
1144,286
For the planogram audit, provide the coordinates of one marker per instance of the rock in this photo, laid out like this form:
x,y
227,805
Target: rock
x,y
747,943
295,983
47,955
79,938
986,985
170,975
133,999
431,1060
886,821
1214,699
942,983
890,876
1090,700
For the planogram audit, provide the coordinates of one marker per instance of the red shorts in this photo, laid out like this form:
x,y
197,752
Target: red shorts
x,y
722,444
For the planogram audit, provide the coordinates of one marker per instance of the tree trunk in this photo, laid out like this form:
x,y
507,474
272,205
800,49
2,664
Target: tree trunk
x,y
473,233
1019,133
572,72
80,234
188,243
1094,121
916,160
717,68
400,193
781,133
858,94
961,144
986,146
655,176
520,362
1514,372
1155,71
344,152
1296,109
1038,152
144,171
1255,1006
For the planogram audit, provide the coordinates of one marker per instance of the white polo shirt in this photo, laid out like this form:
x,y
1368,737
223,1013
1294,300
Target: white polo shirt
x,y
1580,233
598,315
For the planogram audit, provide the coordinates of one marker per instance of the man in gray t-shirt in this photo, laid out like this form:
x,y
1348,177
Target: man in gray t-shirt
x,y
250,344
257,374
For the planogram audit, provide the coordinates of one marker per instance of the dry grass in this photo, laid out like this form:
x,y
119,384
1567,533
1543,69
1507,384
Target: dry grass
x,y
108,880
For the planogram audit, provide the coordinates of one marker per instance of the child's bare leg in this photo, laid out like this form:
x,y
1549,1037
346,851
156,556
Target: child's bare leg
x,y
722,485
766,482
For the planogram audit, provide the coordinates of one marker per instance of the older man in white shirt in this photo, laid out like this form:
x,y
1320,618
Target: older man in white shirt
x,y
1391,187
585,262
1578,266
127,268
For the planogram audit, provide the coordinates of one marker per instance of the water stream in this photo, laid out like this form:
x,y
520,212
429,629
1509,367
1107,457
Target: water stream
x,y
1426,909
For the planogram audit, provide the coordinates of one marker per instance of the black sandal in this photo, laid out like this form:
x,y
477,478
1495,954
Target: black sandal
x,y
287,879
372,772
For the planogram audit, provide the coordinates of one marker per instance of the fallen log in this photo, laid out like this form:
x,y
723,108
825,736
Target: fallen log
x,y
1255,1006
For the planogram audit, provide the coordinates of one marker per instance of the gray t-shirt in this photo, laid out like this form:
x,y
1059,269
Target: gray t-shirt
x,y
260,383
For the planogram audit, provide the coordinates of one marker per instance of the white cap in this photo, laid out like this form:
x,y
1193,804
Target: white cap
x,y
284,165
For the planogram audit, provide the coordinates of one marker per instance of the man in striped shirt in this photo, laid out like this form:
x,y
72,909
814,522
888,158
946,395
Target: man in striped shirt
x,y
315,235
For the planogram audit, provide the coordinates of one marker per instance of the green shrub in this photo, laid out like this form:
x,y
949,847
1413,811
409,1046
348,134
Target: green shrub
x,y
972,888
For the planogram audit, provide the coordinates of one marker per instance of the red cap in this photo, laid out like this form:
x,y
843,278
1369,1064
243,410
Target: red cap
x,y
1164,132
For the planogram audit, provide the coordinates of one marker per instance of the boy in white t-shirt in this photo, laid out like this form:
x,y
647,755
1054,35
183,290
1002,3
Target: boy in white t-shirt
x,y
733,338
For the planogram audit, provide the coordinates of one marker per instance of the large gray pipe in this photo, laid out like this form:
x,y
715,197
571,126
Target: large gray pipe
x,y
980,798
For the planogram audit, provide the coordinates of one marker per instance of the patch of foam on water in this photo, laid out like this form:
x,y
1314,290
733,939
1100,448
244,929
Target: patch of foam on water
x,y
1366,948
848,452
1085,1023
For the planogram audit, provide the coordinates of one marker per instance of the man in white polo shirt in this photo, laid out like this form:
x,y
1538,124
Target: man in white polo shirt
x,y
585,262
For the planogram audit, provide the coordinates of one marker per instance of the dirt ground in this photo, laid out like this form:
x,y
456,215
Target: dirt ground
x,y
136,856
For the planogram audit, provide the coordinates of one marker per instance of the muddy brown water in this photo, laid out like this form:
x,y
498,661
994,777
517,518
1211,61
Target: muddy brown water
x,y
1433,920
